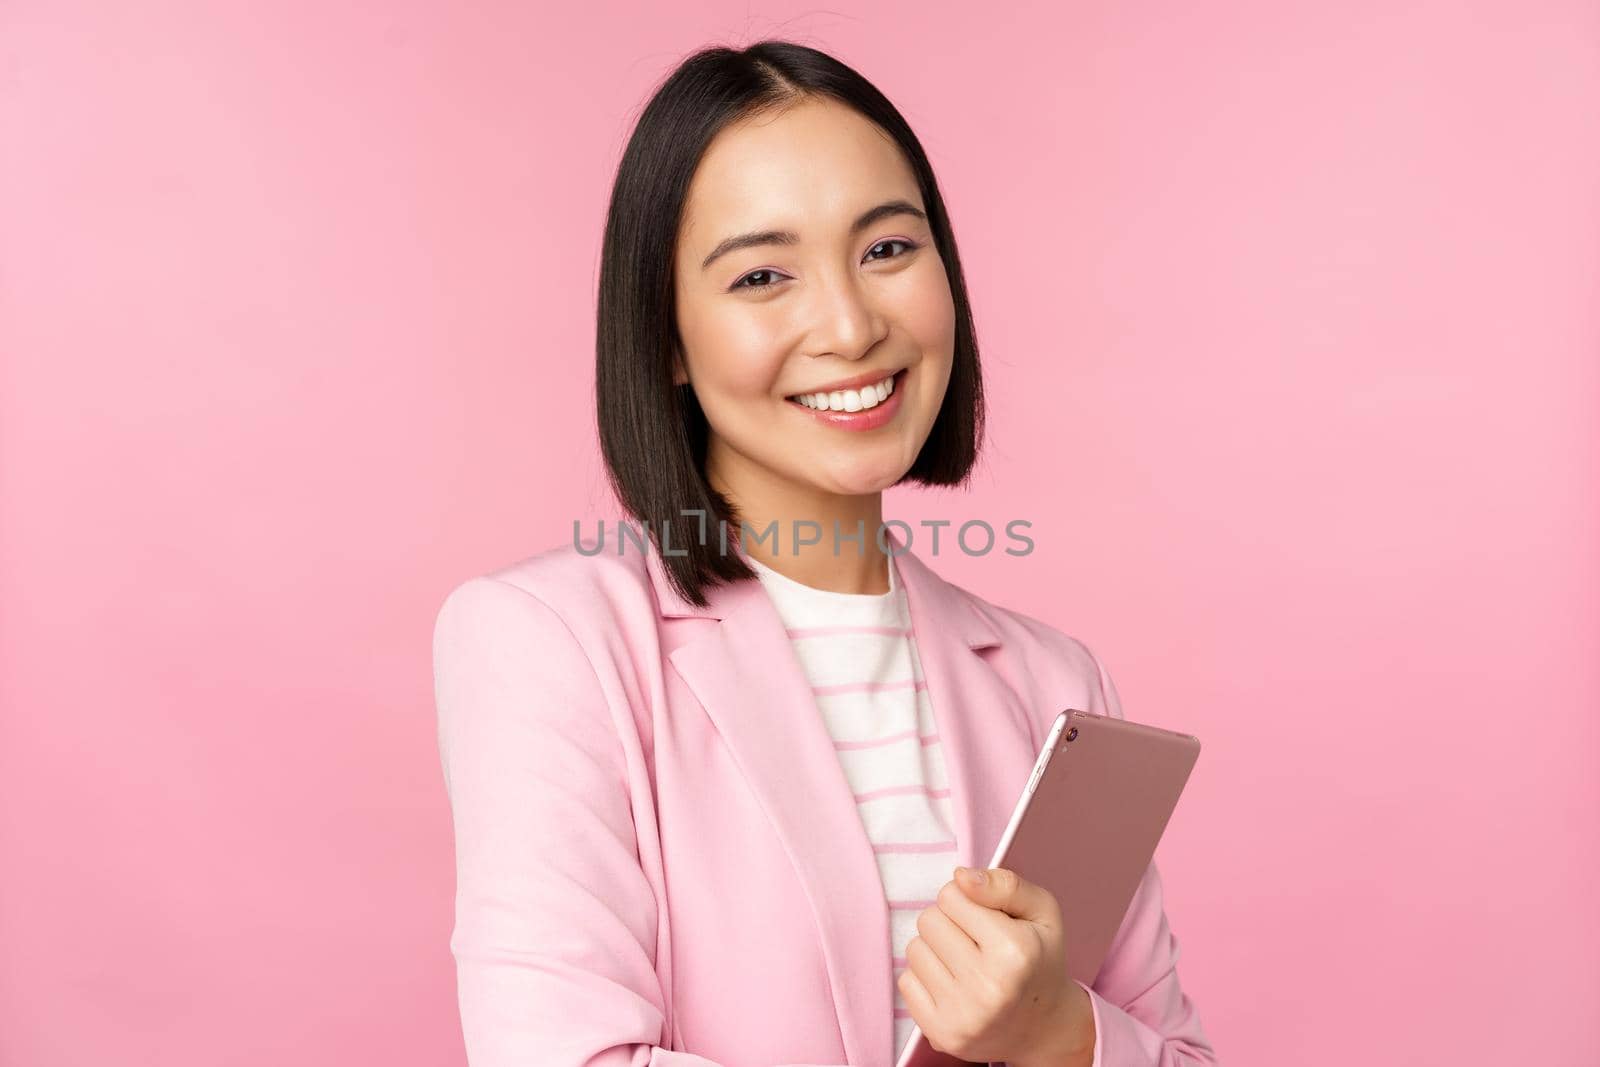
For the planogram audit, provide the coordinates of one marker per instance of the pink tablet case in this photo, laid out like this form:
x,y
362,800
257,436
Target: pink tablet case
x,y
1099,805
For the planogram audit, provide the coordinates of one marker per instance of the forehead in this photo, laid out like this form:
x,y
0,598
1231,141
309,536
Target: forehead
x,y
815,165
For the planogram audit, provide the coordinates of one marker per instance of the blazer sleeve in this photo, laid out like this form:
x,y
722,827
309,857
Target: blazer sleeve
x,y
555,922
1142,1016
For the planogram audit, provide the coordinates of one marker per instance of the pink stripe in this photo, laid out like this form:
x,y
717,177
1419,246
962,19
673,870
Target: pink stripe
x,y
902,1013
829,631
902,905
900,961
900,790
868,687
915,846
846,746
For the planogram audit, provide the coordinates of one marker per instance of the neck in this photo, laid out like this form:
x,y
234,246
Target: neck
x,y
779,516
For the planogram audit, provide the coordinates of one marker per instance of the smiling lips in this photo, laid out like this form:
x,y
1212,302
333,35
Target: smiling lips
x,y
863,408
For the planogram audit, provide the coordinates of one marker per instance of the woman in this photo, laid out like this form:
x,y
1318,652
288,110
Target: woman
x,y
710,803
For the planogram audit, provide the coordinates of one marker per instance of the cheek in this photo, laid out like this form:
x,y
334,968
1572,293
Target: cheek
x,y
732,355
928,312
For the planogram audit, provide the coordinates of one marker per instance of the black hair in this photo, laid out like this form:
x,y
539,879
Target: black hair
x,y
653,433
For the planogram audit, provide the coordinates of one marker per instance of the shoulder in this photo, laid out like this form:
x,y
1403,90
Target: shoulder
x,y
1059,662
568,593
542,654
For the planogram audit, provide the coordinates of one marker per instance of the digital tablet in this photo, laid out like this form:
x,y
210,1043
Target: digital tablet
x,y
1085,827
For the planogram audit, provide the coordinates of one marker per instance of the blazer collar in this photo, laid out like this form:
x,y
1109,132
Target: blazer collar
x,y
950,605
749,681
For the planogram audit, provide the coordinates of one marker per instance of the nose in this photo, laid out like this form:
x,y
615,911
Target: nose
x,y
843,320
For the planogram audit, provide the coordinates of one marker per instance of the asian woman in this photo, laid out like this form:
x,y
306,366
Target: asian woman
x,y
718,789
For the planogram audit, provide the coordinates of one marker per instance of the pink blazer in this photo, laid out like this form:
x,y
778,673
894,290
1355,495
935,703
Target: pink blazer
x,y
658,857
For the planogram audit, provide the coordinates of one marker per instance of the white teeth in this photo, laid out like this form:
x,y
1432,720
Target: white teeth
x,y
869,396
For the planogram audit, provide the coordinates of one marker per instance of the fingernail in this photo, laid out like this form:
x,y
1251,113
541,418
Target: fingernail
x,y
978,877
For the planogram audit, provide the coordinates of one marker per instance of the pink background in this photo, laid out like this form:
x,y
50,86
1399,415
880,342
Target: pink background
x,y
1291,325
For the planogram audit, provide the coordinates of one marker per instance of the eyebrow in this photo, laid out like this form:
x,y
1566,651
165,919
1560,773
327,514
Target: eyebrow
x,y
789,237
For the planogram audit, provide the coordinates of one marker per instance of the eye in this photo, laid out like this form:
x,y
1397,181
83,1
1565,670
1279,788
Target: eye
x,y
764,271
766,277
910,245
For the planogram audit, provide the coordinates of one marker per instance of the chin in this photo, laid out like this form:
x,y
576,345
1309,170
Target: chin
x,y
862,482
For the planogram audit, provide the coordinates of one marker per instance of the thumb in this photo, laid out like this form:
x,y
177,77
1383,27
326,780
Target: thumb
x,y
1007,891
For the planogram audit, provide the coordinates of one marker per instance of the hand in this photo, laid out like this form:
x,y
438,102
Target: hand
x,y
986,976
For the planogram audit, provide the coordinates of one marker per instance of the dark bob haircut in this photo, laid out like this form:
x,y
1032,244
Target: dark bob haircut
x,y
653,433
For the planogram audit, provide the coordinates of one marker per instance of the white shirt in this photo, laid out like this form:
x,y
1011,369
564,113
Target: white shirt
x,y
859,655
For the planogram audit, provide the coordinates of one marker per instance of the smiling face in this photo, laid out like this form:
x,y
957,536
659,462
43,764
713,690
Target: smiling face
x,y
856,294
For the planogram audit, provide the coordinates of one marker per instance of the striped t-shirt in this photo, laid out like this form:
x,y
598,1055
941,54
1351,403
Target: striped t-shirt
x,y
860,657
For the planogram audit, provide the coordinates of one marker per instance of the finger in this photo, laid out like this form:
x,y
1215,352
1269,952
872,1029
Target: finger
x,y
918,1000
1021,898
1007,891
981,924
923,963
956,950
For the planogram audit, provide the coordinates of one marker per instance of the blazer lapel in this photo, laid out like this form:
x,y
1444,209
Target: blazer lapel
x,y
748,679
985,730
